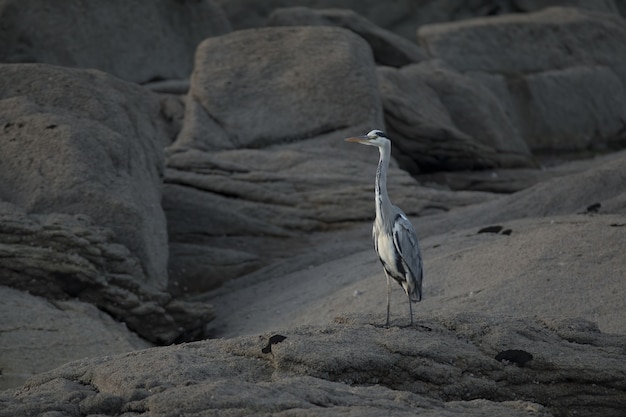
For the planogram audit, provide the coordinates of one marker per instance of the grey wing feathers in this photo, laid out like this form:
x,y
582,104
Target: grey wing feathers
x,y
405,240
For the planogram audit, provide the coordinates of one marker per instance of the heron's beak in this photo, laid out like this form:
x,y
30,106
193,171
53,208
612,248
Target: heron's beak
x,y
359,139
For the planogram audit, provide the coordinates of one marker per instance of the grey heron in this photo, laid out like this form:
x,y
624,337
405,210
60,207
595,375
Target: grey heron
x,y
395,239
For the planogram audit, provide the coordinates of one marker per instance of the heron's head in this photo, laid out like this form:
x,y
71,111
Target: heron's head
x,y
374,138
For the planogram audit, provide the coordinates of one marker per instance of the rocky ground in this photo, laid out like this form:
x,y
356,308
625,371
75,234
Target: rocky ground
x,y
183,230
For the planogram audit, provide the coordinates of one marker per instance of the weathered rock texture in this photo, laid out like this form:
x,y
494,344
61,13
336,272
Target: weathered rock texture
x,y
81,168
443,366
274,80
388,48
40,334
404,16
83,142
559,73
138,41
59,256
442,120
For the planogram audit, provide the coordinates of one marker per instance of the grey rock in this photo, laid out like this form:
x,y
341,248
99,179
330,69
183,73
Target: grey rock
x,y
404,16
513,180
559,73
84,142
274,80
442,366
572,109
59,256
140,41
196,268
39,335
554,38
442,120
81,173
563,195
388,48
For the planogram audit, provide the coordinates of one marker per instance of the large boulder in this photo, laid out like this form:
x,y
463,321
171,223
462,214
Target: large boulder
x,y
388,48
274,80
560,73
83,142
447,365
440,120
137,41
81,169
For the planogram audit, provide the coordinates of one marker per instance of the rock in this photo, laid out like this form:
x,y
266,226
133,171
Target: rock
x,y
545,67
93,149
81,172
595,94
562,195
403,17
311,97
443,366
39,335
551,39
513,180
442,120
140,42
59,256
388,48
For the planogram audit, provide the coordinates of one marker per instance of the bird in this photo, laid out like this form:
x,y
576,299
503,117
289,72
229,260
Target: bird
x,y
395,239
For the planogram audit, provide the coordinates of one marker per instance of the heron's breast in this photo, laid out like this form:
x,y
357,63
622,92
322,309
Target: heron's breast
x,y
386,249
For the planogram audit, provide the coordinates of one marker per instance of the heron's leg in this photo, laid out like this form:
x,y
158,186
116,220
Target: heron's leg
x,y
411,310
388,296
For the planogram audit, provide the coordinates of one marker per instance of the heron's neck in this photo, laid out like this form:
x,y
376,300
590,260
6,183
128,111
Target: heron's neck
x,y
382,198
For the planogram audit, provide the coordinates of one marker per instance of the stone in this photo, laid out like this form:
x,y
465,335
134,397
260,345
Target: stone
x,y
403,16
559,73
439,120
277,84
80,212
140,41
61,256
83,142
554,38
39,335
388,48
444,366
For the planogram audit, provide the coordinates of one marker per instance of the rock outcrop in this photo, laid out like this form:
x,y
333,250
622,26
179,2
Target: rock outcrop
x,y
560,73
445,365
388,48
39,334
81,169
441,120
140,41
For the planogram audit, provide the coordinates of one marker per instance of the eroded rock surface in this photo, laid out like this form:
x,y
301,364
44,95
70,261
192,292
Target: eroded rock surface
x,y
388,48
39,334
442,366
545,67
140,41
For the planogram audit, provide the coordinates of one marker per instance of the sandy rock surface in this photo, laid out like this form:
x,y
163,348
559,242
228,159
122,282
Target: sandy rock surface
x,y
439,367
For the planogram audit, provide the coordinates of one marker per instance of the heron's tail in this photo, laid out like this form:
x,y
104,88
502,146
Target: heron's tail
x,y
413,291
416,295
